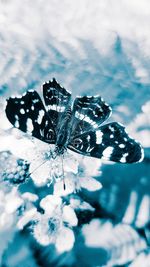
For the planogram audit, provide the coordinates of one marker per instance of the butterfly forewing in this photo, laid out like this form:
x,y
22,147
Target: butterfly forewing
x,y
89,113
81,125
28,114
56,100
109,142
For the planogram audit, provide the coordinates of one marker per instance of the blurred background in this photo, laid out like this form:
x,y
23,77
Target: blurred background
x,y
90,47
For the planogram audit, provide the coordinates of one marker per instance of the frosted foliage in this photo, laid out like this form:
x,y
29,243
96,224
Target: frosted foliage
x,y
91,48
33,31
140,127
142,217
121,242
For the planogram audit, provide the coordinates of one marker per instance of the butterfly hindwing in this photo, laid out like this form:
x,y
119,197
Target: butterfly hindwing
x,y
78,128
56,100
109,142
28,114
89,113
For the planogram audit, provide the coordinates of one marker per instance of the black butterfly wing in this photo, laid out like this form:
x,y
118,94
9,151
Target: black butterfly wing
x,y
110,142
28,114
89,112
56,100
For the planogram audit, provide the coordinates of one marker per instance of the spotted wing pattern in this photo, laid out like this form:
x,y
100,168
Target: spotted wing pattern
x,y
87,136
89,113
110,142
56,100
28,114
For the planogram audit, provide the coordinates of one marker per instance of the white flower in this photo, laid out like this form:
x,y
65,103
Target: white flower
x,y
54,226
87,168
43,168
78,204
77,170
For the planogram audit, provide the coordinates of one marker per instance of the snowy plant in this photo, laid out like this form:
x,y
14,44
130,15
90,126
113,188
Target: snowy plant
x,y
121,242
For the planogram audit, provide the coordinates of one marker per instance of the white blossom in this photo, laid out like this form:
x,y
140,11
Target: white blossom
x,y
55,225
87,168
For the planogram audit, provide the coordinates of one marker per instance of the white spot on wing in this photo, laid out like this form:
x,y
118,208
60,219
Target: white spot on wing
x,y
35,101
16,124
111,128
99,136
29,125
89,149
40,116
121,145
142,155
108,152
17,121
56,107
83,117
88,138
22,111
123,159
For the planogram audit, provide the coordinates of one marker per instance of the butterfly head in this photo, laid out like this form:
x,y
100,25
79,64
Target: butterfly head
x,y
59,150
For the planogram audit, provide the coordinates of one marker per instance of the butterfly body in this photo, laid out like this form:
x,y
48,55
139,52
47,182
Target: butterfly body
x,y
64,131
76,125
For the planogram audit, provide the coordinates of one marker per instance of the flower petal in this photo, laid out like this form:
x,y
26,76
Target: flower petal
x,y
91,167
50,203
41,235
26,218
69,216
78,204
30,196
65,240
41,175
70,163
90,183
69,187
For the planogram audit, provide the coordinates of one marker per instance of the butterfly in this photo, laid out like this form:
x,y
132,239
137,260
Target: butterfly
x,y
76,125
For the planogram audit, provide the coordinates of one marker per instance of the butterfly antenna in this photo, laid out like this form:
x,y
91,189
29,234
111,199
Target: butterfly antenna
x,y
37,168
64,185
